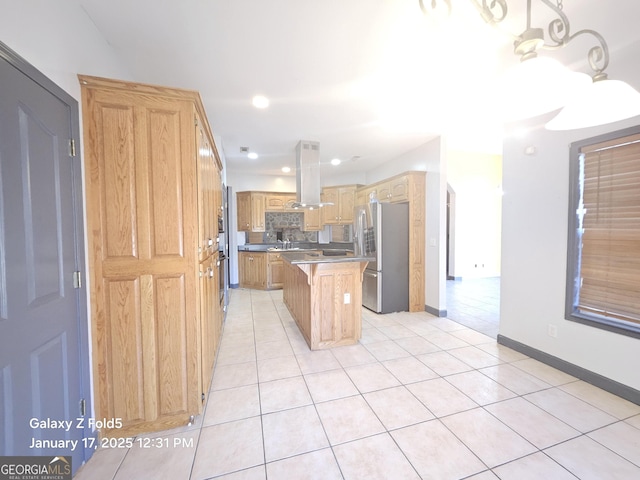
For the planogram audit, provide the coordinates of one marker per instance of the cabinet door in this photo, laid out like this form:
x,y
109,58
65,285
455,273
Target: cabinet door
x,y
290,199
312,220
258,201
399,189
275,202
244,211
209,336
347,204
259,270
208,228
330,213
362,196
384,192
275,272
244,269
142,212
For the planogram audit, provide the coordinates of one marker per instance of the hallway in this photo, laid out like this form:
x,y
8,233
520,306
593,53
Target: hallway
x,y
475,303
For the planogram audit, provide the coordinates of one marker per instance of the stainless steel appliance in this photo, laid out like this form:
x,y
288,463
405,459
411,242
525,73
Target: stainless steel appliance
x,y
381,231
223,247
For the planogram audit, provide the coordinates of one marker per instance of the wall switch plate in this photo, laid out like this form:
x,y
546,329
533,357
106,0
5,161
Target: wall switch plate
x,y
347,298
552,331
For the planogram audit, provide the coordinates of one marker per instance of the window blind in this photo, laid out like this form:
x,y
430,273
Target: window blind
x,y
610,248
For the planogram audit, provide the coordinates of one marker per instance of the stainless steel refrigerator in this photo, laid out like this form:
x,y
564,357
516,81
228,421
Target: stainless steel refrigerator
x,y
381,231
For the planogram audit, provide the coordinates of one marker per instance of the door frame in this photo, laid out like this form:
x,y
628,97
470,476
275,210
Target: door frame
x,y
84,372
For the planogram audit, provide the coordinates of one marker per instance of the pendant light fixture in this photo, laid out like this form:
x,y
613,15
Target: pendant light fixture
x,y
540,84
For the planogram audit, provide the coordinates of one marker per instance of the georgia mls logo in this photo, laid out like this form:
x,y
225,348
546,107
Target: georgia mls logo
x,y
35,468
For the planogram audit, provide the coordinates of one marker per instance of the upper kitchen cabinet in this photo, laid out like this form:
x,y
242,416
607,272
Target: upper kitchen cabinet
x,y
251,209
343,199
280,202
394,190
312,220
151,174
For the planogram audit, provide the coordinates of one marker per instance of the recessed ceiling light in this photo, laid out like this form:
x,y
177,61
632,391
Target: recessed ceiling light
x,y
252,155
335,161
286,169
260,101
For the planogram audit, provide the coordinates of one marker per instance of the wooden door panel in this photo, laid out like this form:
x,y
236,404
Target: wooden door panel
x,y
165,183
116,172
171,333
120,347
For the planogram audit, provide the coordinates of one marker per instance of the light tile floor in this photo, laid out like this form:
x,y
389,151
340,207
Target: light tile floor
x,y
475,303
418,397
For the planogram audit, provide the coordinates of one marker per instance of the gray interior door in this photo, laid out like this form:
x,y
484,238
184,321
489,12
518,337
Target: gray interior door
x,y
41,313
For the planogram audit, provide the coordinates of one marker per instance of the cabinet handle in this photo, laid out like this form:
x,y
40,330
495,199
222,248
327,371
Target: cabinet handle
x,y
210,272
210,242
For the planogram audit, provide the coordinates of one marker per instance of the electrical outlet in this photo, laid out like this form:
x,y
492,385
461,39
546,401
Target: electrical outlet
x,y
552,331
347,298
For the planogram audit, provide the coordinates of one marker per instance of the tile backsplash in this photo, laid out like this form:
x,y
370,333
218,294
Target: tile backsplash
x,y
290,224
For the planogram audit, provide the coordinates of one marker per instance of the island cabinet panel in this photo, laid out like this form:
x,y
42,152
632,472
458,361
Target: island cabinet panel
x,y
149,199
325,299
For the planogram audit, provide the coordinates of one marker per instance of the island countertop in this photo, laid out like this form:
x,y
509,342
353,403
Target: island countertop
x,y
297,258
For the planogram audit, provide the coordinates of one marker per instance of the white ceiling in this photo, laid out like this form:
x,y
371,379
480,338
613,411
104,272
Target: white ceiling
x,y
368,79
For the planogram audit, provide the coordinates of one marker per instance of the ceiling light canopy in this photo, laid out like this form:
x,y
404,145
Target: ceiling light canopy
x,y
286,169
252,155
540,85
336,161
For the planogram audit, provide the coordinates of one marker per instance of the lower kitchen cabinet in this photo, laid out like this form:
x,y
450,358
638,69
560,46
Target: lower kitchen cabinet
x,y
253,269
275,274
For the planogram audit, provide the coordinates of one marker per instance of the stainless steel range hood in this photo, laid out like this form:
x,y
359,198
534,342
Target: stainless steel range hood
x,y
308,175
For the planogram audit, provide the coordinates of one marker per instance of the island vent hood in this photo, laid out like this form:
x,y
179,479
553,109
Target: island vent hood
x,y
308,175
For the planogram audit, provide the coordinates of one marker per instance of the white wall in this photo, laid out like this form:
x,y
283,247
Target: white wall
x,y
476,179
534,251
60,40
242,181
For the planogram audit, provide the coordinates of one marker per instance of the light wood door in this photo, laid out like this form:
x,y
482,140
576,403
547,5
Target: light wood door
x,y
312,220
399,189
142,204
347,204
210,316
244,211
330,213
258,201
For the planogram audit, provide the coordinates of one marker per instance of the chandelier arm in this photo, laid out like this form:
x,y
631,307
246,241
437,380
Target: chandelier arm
x,y
491,11
598,56
559,28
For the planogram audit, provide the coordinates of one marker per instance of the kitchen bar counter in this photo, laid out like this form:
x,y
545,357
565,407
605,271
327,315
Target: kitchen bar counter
x,y
324,295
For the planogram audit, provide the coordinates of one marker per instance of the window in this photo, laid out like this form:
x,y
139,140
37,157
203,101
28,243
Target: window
x,y
603,271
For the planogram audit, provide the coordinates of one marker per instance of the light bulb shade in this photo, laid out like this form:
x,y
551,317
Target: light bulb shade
x,y
538,85
605,101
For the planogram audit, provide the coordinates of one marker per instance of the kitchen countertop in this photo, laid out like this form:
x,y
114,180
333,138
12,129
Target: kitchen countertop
x,y
296,258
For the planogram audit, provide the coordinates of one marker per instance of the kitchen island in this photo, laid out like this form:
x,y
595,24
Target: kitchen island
x,y
324,295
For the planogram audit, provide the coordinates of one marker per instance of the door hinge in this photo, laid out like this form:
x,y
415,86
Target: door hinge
x,y
77,279
195,120
72,147
202,397
83,407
